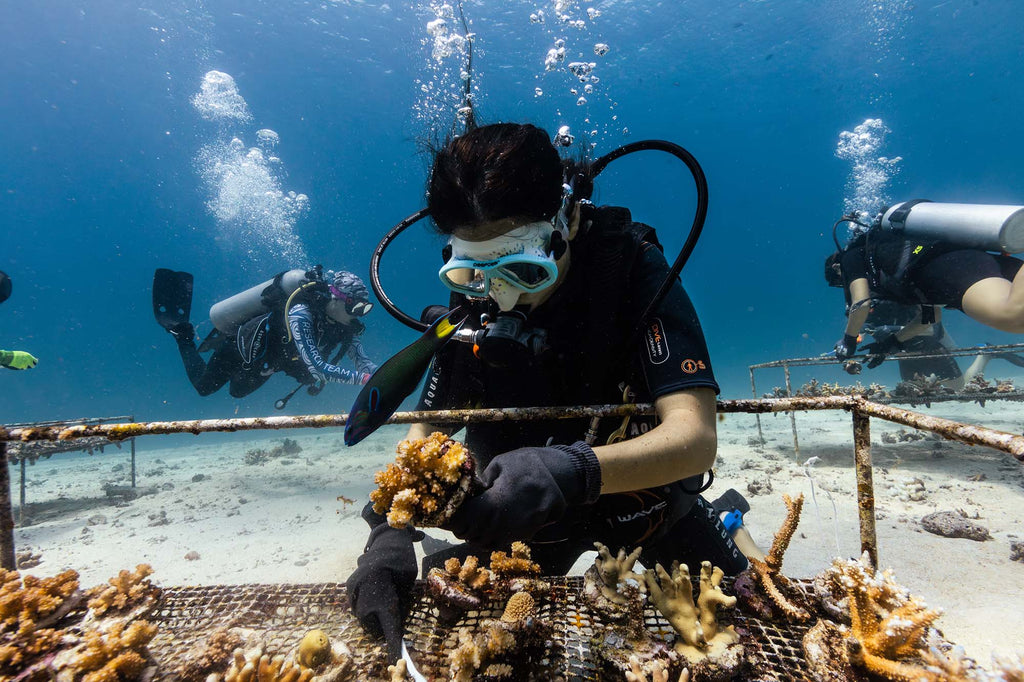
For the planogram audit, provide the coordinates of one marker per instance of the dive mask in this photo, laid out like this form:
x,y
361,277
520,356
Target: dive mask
x,y
353,306
519,261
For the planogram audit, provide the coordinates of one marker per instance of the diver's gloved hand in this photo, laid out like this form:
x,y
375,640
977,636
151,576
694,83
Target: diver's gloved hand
x,y
380,589
846,347
17,359
527,489
183,332
878,350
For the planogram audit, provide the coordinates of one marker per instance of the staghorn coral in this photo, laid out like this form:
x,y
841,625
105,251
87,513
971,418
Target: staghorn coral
x,y
518,564
426,483
125,591
920,389
762,588
114,655
460,586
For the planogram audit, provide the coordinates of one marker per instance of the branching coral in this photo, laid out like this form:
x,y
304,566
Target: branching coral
x,y
500,646
460,586
614,590
258,666
762,588
125,591
659,673
28,609
890,633
426,483
114,655
519,564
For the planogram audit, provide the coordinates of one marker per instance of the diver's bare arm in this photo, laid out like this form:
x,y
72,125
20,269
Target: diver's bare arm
x,y
860,295
682,444
424,430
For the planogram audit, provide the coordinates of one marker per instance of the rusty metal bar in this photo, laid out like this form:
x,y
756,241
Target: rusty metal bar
x,y
955,352
792,416
6,513
953,430
21,499
865,485
753,393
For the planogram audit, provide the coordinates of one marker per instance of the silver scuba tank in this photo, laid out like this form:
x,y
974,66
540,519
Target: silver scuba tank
x,y
228,315
989,227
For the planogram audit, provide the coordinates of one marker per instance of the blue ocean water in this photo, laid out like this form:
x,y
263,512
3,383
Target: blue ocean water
x,y
113,164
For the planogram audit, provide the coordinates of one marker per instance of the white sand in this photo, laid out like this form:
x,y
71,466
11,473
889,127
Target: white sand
x,y
282,522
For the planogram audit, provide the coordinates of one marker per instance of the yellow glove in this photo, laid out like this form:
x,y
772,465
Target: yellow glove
x,y
17,359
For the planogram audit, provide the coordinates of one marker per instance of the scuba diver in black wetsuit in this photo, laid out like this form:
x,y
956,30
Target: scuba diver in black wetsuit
x,y
932,254
555,288
897,329
289,324
13,359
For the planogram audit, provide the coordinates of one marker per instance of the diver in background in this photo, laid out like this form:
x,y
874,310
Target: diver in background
x,y
290,325
13,359
894,266
898,328
562,284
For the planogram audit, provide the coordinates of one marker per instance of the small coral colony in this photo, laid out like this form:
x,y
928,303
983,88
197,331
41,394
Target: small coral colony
x,y
661,624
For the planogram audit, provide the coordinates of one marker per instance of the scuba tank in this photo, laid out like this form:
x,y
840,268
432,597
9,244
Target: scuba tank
x,y
977,226
228,315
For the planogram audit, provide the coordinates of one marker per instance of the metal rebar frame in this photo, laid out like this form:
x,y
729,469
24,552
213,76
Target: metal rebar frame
x,y
861,408
909,400
31,451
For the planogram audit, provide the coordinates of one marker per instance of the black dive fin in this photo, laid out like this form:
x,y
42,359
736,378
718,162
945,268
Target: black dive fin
x,y
213,341
172,297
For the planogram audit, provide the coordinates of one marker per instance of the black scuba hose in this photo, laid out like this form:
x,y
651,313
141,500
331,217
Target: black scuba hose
x,y
375,271
699,215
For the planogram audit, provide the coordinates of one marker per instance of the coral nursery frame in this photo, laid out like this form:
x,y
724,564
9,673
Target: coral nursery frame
x,y
861,409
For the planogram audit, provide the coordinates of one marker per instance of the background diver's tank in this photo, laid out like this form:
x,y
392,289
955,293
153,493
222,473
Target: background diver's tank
x,y
228,315
989,227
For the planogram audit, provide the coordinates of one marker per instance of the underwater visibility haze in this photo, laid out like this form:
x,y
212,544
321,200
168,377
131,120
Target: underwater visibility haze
x,y
234,140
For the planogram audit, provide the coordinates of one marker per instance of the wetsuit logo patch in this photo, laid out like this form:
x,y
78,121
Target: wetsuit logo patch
x,y
691,366
657,344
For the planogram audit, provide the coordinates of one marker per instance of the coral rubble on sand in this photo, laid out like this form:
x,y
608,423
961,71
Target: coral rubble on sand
x,y
426,483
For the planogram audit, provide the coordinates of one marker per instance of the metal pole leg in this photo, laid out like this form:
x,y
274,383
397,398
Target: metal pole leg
x,y
792,415
7,559
753,391
865,486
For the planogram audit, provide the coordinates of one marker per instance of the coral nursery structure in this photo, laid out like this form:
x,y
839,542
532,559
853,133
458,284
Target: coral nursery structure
x,y
426,483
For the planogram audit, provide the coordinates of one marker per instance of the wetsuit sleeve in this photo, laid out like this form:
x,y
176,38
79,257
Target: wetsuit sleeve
x,y
359,358
673,352
300,321
441,390
852,265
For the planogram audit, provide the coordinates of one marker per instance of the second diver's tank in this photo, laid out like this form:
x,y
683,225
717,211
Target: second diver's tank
x,y
228,315
990,227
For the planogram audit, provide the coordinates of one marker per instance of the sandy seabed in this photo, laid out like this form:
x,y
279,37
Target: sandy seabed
x,y
213,519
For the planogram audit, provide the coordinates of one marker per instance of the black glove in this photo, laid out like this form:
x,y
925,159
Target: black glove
x,y
879,349
846,347
527,489
380,589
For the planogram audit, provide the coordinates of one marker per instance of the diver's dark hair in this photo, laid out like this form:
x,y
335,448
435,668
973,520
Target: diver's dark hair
x,y
833,272
497,171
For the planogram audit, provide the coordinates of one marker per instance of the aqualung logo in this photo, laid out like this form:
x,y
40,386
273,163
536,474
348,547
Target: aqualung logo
x,y
657,344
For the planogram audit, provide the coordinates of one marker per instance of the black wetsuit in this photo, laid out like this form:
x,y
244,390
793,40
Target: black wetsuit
x,y
261,347
588,327
887,317
935,273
